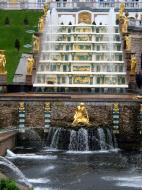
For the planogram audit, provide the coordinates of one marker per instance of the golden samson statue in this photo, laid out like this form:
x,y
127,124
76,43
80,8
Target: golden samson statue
x,y
81,115
2,62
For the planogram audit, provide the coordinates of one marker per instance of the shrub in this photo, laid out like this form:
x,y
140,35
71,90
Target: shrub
x,y
7,21
26,21
17,44
7,184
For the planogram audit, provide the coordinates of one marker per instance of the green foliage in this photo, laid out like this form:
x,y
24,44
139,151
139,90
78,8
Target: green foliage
x,y
16,30
7,184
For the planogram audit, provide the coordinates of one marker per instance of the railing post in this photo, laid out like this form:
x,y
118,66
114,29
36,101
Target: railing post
x,y
116,117
21,117
47,116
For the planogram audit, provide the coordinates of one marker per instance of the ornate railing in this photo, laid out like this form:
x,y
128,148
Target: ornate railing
x,y
70,5
96,5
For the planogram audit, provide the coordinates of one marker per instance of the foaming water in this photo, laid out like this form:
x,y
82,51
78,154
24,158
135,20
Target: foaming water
x,y
33,157
44,188
92,152
126,181
39,180
82,139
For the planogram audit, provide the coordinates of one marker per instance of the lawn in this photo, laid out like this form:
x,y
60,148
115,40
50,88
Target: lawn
x,y
16,30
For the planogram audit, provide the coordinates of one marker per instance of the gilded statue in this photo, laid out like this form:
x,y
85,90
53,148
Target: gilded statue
x,y
121,10
84,17
116,107
125,25
128,42
47,106
30,63
2,62
21,106
136,98
36,43
81,115
41,24
140,107
45,9
133,62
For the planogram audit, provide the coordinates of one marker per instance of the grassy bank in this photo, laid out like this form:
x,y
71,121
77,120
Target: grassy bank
x,y
16,29
5,182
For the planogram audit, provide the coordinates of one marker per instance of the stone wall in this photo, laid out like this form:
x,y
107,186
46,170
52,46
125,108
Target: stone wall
x,y
137,46
8,114
7,141
34,114
100,114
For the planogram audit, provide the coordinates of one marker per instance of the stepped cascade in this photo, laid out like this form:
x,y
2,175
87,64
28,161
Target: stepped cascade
x,y
82,53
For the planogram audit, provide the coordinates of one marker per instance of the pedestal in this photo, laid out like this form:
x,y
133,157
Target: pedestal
x,y
132,82
36,58
3,79
29,79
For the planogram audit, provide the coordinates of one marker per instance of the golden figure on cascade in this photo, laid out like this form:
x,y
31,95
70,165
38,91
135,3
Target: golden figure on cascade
x,y
2,62
36,43
21,106
125,24
41,24
47,107
121,10
116,107
81,115
128,42
45,9
30,63
133,62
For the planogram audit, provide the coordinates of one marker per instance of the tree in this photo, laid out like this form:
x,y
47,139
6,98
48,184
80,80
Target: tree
x,y
7,21
17,44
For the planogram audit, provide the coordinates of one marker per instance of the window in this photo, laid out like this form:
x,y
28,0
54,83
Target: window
x,y
64,68
53,67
